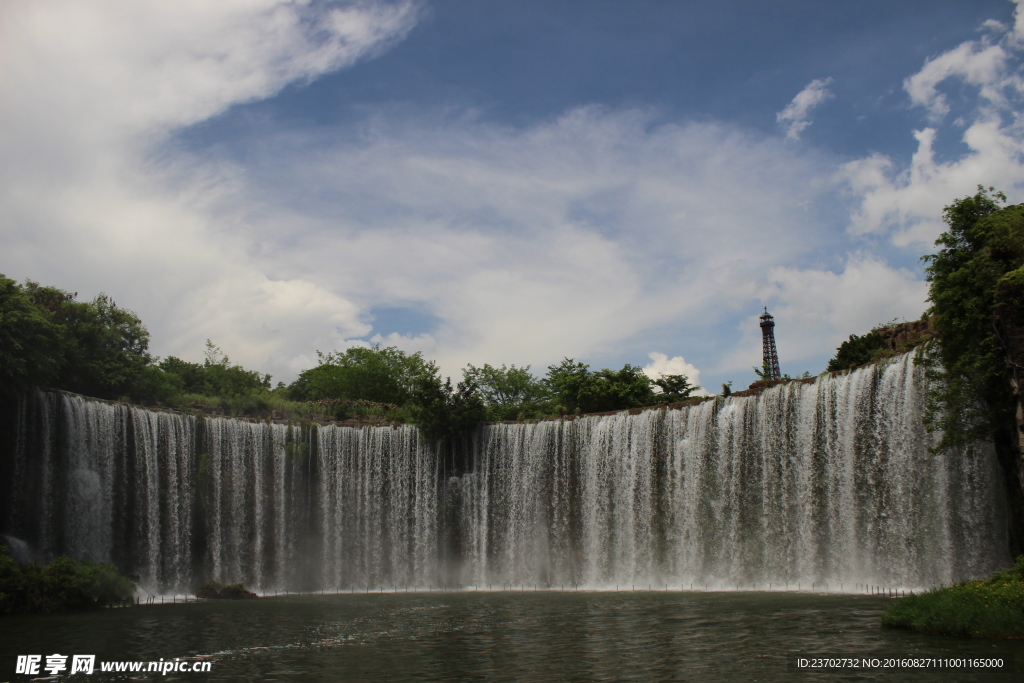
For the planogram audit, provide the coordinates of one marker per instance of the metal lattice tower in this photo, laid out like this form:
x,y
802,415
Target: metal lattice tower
x,y
770,354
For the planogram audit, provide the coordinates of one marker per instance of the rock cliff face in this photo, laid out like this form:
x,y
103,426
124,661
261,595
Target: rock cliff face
x,y
905,336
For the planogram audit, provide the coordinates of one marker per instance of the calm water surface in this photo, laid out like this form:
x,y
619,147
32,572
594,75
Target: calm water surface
x,y
743,636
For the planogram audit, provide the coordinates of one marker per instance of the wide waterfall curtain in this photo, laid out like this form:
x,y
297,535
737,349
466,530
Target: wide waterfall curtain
x,y
827,483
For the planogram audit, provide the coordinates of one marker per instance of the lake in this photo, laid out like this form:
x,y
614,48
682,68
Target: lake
x,y
498,636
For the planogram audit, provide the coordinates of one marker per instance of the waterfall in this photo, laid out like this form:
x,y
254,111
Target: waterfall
x,y
823,483
827,482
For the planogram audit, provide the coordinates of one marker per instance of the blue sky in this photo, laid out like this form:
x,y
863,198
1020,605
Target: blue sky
x,y
617,182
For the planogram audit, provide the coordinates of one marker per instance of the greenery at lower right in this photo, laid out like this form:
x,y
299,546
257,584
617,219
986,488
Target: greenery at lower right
x,y
975,609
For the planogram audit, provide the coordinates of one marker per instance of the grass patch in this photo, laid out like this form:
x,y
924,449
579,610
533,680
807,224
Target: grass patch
x,y
972,609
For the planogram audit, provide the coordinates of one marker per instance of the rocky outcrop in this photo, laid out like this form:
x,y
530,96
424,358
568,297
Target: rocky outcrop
x,y
212,590
901,337
760,385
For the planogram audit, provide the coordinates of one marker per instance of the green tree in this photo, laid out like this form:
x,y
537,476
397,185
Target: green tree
x,y
983,244
619,389
567,383
674,388
31,345
216,376
856,351
970,278
443,412
574,386
155,385
383,375
105,348
508,392
190,376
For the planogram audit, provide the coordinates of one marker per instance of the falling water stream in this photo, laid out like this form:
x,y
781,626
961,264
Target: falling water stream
x,y
826,483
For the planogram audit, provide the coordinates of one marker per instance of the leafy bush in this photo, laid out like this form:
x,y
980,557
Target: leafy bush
x,y
1009,574
251,405
155,385
64,584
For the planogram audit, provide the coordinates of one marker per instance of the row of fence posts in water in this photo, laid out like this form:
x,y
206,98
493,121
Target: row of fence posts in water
x,y
508,587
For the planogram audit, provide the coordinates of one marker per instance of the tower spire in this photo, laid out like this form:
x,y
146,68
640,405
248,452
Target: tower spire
x,y
770,355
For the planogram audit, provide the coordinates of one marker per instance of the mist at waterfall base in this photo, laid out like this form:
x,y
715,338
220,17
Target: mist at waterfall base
x,y
826,484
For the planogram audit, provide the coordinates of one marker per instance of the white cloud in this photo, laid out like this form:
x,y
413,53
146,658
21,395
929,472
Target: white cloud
x,y
131,67
976,63
410,343
993,25
905,205
662,365
1018,25
796,116
569,237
